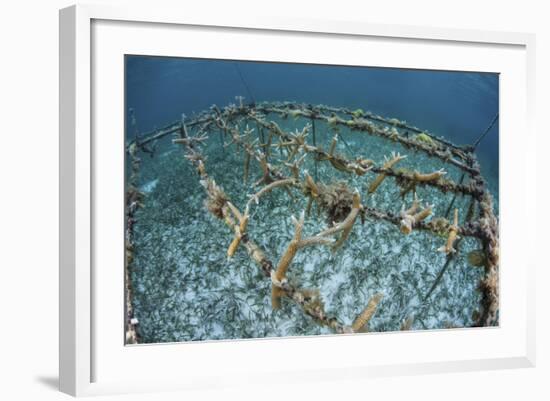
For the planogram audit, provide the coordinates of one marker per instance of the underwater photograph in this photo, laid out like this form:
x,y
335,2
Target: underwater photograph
x,y
267,199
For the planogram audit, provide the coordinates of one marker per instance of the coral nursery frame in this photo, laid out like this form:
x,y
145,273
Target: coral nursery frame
x,y
233,126
93,357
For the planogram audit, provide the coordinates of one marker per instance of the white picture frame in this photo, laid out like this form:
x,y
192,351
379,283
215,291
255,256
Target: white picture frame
x,y
81,162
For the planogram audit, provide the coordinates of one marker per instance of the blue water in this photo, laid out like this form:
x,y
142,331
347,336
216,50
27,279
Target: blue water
x,y
456,105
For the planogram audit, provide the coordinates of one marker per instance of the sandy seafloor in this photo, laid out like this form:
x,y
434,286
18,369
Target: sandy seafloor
x,y
185,288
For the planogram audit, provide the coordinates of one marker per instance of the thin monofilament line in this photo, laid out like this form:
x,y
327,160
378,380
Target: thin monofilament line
x,y
495,118
244,83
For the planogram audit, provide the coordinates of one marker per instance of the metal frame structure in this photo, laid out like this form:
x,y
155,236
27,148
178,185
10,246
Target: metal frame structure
x,y
283,169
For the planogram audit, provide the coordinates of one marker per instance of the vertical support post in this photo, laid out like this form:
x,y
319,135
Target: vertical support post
x,y
263,144
314,139
221,140
448,211
183,131
450,256
261,134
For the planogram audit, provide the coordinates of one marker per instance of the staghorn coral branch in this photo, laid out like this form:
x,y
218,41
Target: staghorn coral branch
x,y
239,232
413,208
234,244
285,182
361,321
423,214
227,217
297,142
295,167
259,156
315,240
276,294
387,165
436,175
217,199
390,162
266,168
190,140
248,132
274,128
310,187
452,236
410,217
407,222
235,211
347,224
291,250
297,242
333,145
348,221
407,323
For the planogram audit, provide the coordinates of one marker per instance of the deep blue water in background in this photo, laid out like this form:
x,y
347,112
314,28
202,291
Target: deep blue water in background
x,y
456,105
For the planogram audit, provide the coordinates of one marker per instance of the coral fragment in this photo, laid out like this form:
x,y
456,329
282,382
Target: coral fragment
x,y
361,321
452,236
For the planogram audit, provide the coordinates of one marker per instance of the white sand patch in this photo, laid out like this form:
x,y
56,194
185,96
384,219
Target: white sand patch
x,y
149,187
